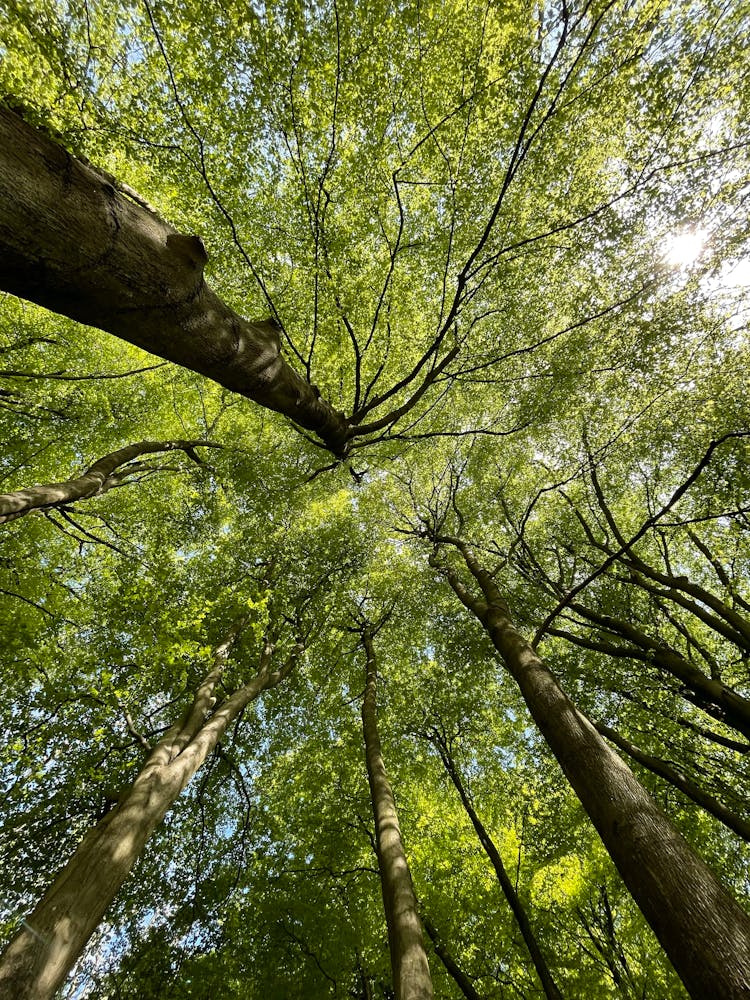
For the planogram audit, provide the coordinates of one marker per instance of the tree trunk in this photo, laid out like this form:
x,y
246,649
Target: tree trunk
x,y
540,964
97,479
40,956
72,242
411,974
700,926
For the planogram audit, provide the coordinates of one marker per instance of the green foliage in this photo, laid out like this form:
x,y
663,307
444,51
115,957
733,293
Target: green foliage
x,y
396,182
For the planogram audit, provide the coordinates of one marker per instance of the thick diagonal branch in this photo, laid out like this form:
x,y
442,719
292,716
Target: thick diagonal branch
x,y
73,242
97,479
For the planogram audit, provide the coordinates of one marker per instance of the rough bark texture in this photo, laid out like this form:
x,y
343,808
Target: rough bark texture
x,y
73,243
411,974
99,478
40,956
702,929
524,925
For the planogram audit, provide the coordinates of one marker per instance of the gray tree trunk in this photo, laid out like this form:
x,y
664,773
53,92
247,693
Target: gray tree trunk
x,y
72,242
40,956
703,930
410,970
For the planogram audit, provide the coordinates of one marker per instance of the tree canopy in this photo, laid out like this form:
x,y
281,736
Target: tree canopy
x,y
373,379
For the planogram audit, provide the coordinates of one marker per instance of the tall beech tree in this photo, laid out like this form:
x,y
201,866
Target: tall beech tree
x,y
41,955
500,256
657,865
411,974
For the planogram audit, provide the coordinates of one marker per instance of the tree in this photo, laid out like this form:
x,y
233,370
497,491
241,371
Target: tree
x,y
630,825
42,953
509,414
411,974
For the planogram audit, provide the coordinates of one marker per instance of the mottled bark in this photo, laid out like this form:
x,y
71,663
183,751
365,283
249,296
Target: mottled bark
x,y
452,967
546,978
702,929
98,478
73,242
675,777
37,960
410,970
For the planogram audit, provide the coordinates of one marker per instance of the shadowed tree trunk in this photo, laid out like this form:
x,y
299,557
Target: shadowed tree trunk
x,y
72,242
99,478
40,956
700,926
411,974
540,964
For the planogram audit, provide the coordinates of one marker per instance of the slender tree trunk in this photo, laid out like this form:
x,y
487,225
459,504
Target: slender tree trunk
x,y
599,925
549,985
700,926
364,979
40,956
72,242
453,969
665,770
411,974
99,478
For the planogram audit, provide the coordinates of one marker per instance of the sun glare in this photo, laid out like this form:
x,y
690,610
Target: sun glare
x,y
682,248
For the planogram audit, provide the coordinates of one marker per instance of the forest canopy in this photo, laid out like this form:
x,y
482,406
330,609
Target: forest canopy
x,y
375,535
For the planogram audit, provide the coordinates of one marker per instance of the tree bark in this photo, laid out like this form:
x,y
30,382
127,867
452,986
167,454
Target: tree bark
x,y
410,970
40,956
549,985
72,242
97,479
702,929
